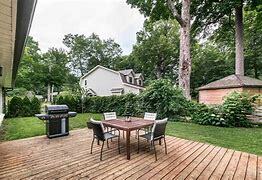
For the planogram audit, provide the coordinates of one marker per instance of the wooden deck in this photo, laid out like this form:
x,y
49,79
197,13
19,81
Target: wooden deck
x,y
69,158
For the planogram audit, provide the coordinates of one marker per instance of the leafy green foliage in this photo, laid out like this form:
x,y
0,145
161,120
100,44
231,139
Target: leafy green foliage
x,y
219,63
87,52
19,107
102,104
204,115
231,113
162,97
156,52
236,107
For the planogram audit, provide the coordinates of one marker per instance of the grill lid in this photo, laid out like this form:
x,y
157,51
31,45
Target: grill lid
x,y
57,109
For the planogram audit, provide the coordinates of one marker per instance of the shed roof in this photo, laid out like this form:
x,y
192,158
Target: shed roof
x,y
233,81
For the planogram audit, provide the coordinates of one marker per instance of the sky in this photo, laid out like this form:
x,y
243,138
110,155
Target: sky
x,y
108,18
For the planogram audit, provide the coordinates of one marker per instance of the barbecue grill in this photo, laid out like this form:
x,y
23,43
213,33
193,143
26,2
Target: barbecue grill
x,y
56,120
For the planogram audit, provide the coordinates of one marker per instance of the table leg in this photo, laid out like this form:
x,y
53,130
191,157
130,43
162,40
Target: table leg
x,y
128,144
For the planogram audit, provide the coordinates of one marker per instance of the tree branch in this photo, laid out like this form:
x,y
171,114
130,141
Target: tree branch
x,y
175,12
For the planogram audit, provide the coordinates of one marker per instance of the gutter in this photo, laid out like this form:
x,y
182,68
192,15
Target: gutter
x,y
24,18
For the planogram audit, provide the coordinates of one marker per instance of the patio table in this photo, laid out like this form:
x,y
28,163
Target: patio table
x,y
128,126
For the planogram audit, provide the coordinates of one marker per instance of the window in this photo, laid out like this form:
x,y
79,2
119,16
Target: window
x,y
85,82
130,80
139,82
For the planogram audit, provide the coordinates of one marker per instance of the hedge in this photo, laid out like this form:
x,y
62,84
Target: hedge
x,y
25,107
160,97
119,104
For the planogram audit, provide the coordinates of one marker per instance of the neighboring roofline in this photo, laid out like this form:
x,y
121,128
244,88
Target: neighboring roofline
x,y
98,66
140,75
134,86
24,18
229,87
131,71
240,83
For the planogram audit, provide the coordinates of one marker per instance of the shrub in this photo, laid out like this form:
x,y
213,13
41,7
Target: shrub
x,y
23,107
236,107
99,104
162,97
204,115
15,107
26,107
231,113
35,106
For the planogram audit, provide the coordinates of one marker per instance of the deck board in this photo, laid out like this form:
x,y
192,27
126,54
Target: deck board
x,y
69,158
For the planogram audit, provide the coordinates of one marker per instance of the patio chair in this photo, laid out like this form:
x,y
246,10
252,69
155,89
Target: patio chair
x,y
111,116
148,116
157,133
100,135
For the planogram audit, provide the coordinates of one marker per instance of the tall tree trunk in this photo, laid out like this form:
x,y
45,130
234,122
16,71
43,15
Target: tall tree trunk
x,y
185,57
52,93
239,67
159,68
48,92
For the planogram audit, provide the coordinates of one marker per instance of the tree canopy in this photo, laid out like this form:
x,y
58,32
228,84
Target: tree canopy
x,y
87,52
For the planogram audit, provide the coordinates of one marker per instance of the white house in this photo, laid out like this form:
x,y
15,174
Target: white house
x,y
102,81
15,22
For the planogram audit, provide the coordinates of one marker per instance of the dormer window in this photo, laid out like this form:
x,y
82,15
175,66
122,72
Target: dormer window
x,y
130,80
139,82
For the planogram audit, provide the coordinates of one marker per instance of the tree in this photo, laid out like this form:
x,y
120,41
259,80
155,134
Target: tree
x,y
159,10
54,70
253,42
215,12
223,37
87,52
219,63
157,50
28,73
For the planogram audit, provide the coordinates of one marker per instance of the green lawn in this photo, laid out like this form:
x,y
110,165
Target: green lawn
x,y
242,139
18,128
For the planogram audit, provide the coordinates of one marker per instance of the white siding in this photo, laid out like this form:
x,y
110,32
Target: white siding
x,y
102,81
128,89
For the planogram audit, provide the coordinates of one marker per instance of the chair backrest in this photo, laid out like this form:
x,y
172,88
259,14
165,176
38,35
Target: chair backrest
x,y
159,128
150,116
110,115
98,129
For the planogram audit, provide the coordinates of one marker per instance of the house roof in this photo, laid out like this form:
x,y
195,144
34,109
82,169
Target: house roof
x,y
15,26
124,80
126,71
98,66
233,81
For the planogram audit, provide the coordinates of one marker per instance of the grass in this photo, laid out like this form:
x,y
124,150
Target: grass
x,y
242,139
18,128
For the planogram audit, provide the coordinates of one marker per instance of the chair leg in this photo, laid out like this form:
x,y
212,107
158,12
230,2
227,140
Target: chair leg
x,y
160,141
107,143
137,141
165,145
154,149
118,142
92,145
98,143
101,151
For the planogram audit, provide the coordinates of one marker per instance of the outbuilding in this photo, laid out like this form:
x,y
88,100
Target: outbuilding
x,y
215,92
